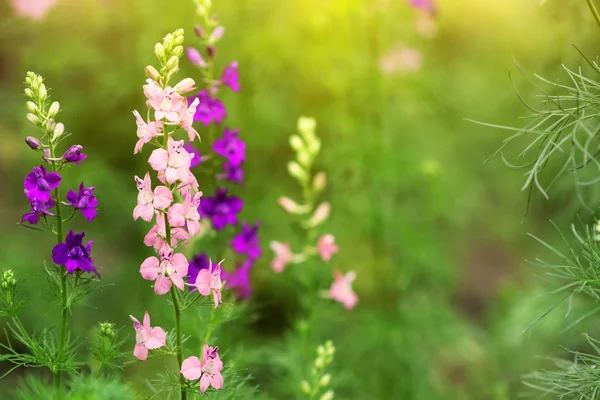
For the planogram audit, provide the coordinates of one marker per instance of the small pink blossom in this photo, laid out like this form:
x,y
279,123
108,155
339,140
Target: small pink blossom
x,y
34,9
157,235
209,280
170,269
327,247
167,103
146,337
186,214
208,370
149,201
145,131
195,58
173,164
283,255
186,119
341,289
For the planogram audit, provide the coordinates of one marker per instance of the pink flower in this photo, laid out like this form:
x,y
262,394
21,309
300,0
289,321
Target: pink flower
x,y
167,103
170,269
34,9
146,337
327,247
186,119
209,280
341,289
195,58
145,131
283,255
186,214
173,164
149,201
157,235
208,370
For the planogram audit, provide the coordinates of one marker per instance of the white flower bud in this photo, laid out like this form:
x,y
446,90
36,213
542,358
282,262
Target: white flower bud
x,y
159,51
306,125
178,51
152,73
28,93
319,181
42,91
325,380
54,109
32,118
304,385
31,106
319,363
297,143
173,63
327,396
296,171
288,205
59,129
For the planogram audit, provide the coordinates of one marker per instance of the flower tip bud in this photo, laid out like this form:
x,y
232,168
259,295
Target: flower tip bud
x,y
152,73
59,129
33,143
306,125
54,109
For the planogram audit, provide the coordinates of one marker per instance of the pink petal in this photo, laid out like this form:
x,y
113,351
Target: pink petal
x,y
180,263
149,268
203,282
162,285
217,380
190,368
176,215
171,174
143,211
140,352
204,383
177,281
158,338
162,197
147,321
158,159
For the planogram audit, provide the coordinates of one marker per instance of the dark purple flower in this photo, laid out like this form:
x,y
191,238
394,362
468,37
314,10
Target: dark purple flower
x,y
196,264
209,109
197,159
231,76
85,201
39,183
231,147
74,155
37,209
247,241
221,209
232,173
73,254
239,280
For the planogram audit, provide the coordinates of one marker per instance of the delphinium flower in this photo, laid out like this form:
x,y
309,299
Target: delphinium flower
x,y
208,370
221,209
173,205
341,289
42,188
147,337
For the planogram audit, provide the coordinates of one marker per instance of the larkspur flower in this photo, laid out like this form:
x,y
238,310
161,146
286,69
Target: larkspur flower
x,y
341,289
146,131
170,269
167,102
327,247
209,110
186,119
73,254
231,147
221,209
283,255
172,164
198,263
74,155
186,214
157,234
208,370
247,242
209,281
195,153
38,208
195,58
149,201
39,183
231,76
147,337
233,173
85,201
239,279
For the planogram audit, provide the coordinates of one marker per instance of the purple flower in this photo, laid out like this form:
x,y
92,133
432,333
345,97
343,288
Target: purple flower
x,y
73,255
221,209
232,173
231,147
85,201
231,76
37,209
196,264
239,280
196,159
74,155
39,183
209,109
425,5
247,241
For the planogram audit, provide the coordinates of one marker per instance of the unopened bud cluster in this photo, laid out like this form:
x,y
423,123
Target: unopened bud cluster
x,y
8,280
39,113
168,54
320,379
107,330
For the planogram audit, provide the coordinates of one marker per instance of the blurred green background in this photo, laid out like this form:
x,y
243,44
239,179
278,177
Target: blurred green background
x,y
435,235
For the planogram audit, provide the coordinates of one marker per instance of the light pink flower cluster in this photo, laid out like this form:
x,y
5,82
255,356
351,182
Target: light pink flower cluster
x,y
208,370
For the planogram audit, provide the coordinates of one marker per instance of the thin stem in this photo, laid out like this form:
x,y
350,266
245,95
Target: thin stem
x,y
594,11
179,336
210,326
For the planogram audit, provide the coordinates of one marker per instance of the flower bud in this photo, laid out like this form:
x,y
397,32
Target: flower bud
x,y
201,10
320,350
327,396
178,32
59,129
304,385
32,107
28,93
107,330
8,279
178,51
211,51
288,205
198,31
42,92
159,51
319,363
32,142
296,171
185,85
50,125
314,145
32,118
325,379
194,56
54,109
319,181
173,63
217,34
297,143
320,215
306,125
178,40
304,158
152,73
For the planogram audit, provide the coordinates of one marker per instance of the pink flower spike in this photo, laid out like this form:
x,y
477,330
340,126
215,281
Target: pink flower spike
x,y
283,255
209,280
191,369
145,131
149,201
169,270
327,247
146,337
341,289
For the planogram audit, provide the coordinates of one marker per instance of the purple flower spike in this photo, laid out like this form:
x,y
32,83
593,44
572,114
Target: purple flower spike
x,y
196,264
73,254
231,76
209,110
221,209
239,280
39,183
231,147
85,201
74,155
232,173
247,241
37,209
196,159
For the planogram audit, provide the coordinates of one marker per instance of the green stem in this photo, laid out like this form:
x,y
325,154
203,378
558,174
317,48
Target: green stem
x,y
179,336
594,11
210,326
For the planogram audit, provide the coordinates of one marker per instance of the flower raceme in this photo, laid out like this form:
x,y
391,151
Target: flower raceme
x,y
208,370
209,281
